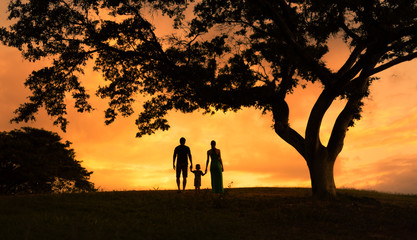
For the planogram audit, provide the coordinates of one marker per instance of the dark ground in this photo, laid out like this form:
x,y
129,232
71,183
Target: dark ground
x,y
251,213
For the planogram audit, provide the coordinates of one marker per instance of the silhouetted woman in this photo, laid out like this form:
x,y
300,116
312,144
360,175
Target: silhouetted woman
x,y
216,168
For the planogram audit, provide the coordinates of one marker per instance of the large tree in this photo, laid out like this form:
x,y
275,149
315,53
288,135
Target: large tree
x,y
231,54
37,161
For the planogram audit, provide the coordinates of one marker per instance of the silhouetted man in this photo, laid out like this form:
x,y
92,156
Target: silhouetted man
x,y
182,153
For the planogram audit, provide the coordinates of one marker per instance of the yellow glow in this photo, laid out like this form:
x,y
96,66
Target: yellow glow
x,y
380,151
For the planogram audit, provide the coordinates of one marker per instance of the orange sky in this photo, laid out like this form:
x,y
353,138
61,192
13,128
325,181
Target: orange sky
x,y
380,151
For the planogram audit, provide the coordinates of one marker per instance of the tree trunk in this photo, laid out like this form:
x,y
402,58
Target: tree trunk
x,y
320,160
321,175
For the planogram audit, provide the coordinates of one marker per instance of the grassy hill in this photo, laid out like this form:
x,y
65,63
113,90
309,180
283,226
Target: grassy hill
x,y
251,213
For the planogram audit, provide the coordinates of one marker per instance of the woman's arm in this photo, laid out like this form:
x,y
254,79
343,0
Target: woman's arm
x,y
221,162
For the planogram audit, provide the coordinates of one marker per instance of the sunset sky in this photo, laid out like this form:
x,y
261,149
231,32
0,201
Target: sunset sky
x,y
380,152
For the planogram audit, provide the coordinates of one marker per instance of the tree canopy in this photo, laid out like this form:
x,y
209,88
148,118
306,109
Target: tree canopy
x,y
227,55
37,161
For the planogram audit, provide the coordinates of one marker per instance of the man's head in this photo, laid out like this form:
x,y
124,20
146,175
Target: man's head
x,y
182,141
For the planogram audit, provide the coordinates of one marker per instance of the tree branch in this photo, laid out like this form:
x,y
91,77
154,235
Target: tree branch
x,y
352,59
282,127
340,127
349,32
394,62
352,108
315,119
323,73
372,50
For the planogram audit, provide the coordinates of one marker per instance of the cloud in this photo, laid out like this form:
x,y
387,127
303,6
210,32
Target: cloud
x,y
399,130
392,174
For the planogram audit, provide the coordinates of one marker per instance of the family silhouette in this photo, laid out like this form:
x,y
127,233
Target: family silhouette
x,y
182,154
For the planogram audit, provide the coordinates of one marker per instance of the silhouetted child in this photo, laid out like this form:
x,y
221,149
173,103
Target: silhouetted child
x,y
197,177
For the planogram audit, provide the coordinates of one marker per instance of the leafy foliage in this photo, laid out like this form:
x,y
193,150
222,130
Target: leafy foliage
x,y
234,54
36,161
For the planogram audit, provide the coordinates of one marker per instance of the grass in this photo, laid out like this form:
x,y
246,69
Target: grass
x,y
251,213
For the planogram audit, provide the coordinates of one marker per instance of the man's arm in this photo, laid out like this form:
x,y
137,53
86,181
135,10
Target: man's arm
x,y
173,158
191,160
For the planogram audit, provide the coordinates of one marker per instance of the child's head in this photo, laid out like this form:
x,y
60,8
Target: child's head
x,y
197,166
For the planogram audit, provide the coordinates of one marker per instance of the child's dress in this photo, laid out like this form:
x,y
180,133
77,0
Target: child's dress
x,y
197,179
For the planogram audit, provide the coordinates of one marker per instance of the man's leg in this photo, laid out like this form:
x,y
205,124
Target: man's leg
x,y
178,175
184,176
178,183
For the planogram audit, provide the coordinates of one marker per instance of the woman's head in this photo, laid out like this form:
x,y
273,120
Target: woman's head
x,y
213,144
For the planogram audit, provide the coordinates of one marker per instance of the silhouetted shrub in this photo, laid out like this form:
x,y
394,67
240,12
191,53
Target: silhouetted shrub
x,y
37,161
